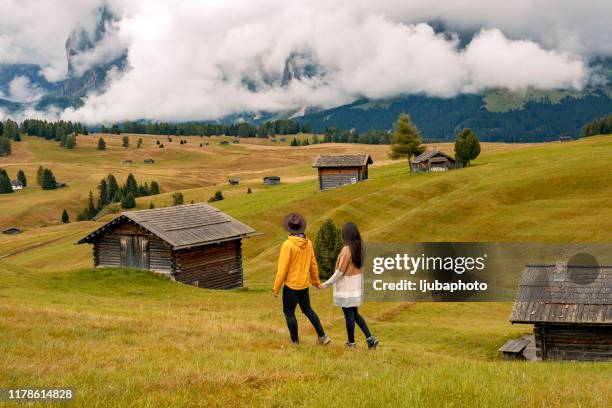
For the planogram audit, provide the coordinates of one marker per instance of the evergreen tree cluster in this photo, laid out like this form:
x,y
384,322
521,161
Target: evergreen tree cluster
x,y
598,126
45,178
10,130
109,192
333,135
241,129
327,247
52,130
467,146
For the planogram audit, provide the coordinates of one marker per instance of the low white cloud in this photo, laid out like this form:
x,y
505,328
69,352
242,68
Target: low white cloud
x,y
22,90
191,59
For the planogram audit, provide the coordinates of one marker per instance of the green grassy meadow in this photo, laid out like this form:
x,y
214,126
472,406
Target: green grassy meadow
x,y
131,338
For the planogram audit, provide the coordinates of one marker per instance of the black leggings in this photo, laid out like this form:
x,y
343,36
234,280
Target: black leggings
x,y
292,298
352,316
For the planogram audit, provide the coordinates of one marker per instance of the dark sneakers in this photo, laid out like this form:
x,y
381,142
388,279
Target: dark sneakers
x,y
372,342
324,340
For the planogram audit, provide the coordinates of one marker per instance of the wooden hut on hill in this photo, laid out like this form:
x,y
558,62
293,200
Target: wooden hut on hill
x,y
269,180
433,160
195,244
233,181
570,308
11,231
339,170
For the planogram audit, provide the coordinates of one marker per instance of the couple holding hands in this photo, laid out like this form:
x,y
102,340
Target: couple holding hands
x,y
297,270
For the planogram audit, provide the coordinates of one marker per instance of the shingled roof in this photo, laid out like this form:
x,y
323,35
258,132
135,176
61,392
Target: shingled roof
x,y
428,154
342,160
547,294
183,226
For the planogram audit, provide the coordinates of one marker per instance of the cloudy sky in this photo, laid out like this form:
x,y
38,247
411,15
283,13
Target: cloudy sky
x,y
190,59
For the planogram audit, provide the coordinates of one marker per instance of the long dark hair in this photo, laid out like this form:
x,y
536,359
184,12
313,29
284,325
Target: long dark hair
x,y
352,238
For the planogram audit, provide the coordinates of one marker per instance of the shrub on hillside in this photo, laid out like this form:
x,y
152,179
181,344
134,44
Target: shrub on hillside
x,y
327,247
5,146
217,197
467,146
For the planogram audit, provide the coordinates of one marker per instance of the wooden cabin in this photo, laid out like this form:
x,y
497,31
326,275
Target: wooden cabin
x,y
433,160
270,180
224,142
339,170
564,139
194,244
570,309
233,181
149,161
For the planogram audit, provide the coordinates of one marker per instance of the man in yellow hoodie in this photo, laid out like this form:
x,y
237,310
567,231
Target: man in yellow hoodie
x,y
297,270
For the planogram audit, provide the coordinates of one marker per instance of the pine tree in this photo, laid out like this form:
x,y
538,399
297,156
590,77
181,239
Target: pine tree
x,y
249,190
70,142
5,183
154,188
177,199
327,247
294,142
39,175
217,197
48,180
101,144
125,142
91,208
113,188
103,197
406,139
139,143
131,186
65,218
128,201
22,178
5,146
151,206
467,146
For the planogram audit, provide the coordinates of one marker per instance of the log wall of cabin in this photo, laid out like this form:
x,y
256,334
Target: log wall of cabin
x,y
573,342
107,248
217,266
331,177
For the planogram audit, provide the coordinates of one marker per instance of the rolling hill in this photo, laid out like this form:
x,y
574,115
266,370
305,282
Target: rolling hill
x,y
125,337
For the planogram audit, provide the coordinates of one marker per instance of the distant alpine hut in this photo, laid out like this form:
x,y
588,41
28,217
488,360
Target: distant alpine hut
x,y
149,161
60,184
194,244
16,185
433,160
236,141
126,162
224,142
270,180
11,231
339,170
564,139
233,181
570,309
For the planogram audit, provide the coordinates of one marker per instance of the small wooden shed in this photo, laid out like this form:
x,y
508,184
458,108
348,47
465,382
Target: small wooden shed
x,y
571,310
433,160
195,244
149,161
339,170
233,181
269,180
11,231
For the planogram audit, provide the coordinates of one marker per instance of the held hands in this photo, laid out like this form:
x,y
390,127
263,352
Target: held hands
x,y
319,286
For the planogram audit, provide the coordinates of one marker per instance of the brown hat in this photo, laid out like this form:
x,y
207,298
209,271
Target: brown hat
x,y
294,223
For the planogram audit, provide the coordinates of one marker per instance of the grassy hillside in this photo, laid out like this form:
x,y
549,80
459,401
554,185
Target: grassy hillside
x,y
130,338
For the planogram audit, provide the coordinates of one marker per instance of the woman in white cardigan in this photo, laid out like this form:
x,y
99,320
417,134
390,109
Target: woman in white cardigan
x,y
347,281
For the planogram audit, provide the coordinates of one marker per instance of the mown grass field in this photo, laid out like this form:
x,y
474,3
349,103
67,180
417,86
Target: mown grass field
x,y
129,338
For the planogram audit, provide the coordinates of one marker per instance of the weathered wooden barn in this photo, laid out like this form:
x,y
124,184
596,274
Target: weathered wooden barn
x,y
570,308
233,181
269,180
339,170
194,244
433,160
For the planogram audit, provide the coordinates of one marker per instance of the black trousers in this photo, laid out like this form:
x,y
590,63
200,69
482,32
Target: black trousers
x,y
292,298
352,316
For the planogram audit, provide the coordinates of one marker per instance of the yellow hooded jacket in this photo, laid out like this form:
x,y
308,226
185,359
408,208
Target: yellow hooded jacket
x,y
297,265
